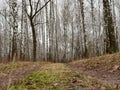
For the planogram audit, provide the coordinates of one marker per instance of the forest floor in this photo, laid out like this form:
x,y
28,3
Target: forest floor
x,y
100,73
11,73
105,68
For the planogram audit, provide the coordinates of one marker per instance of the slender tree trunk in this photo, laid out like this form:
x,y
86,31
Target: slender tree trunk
x,y
34,39
13,10
85,54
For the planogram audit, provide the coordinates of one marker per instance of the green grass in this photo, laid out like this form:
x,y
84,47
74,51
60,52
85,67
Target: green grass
x,y
38,81
58,77
46,78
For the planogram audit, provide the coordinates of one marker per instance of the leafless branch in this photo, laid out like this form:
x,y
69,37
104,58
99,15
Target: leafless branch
x,y
37,5
40,9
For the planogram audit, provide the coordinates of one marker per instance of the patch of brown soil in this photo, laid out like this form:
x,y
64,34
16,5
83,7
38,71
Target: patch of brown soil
x,y
15,76
107,77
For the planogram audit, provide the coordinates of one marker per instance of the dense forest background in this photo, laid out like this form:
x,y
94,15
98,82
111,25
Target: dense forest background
x,y
58,30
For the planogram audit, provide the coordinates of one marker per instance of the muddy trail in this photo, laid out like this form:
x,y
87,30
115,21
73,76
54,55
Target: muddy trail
x,y
107,77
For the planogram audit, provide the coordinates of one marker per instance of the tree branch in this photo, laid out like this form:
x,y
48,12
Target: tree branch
x,y
40,9
31,7
37,5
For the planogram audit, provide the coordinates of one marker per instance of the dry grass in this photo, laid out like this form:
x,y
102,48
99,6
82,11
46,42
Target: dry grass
x,y
59,77
6,68
56,68
106,62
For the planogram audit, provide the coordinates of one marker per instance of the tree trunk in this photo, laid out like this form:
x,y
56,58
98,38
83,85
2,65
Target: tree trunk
x,y
111,45
85,53
34,39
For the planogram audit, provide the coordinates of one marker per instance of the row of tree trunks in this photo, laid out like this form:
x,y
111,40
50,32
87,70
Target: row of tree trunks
x,y
52,30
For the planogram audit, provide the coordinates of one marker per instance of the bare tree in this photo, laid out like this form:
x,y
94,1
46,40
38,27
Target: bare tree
x,y
52,30
31,16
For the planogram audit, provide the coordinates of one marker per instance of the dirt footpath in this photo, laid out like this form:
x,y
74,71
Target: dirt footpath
x,y
107,77
15,76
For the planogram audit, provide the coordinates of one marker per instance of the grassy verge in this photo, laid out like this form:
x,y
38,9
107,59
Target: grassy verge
x,y
6,68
